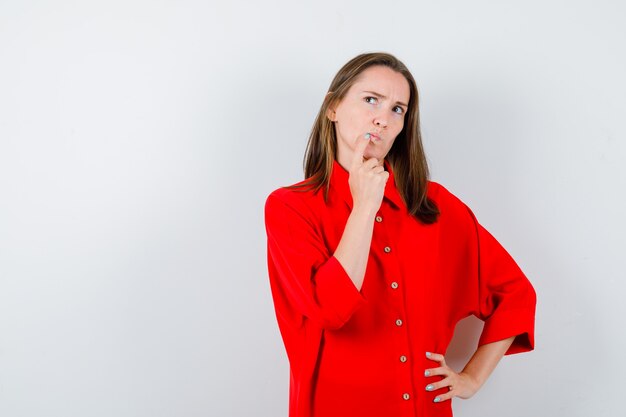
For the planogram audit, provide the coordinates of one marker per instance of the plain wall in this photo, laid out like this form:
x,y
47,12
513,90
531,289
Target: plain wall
x,y
139,140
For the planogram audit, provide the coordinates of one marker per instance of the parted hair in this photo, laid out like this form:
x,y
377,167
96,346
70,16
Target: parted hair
x,y
406,156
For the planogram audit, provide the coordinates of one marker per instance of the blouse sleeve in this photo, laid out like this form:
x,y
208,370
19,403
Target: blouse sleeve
x,y
306,280
507,299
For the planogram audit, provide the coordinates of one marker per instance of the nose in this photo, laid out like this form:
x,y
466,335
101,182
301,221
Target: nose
x,y
380,120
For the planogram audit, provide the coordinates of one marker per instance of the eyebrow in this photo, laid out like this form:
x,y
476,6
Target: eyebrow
x,y
384,97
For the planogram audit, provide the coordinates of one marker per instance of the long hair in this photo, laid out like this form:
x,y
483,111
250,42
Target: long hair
x,y
406,156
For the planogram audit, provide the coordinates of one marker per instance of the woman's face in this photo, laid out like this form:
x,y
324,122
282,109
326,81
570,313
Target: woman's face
x,y
376,103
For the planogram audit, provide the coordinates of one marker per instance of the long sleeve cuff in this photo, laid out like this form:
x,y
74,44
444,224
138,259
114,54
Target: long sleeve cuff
x,y
504,324
337,293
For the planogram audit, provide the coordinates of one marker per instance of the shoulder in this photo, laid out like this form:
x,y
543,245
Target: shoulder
x,y
442,194
449,204
295,200
291,195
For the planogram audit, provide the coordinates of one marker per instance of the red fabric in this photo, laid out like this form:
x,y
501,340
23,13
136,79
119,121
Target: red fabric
x,y
344,345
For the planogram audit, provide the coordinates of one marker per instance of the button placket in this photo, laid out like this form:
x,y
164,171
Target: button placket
x,y
401,336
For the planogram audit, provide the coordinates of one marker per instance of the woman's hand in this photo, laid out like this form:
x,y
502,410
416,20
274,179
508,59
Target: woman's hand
x,y
460,385
367,178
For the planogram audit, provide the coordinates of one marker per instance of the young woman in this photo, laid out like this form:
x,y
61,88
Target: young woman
x,y
371,264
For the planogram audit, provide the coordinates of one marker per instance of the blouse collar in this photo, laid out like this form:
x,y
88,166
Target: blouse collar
x,y
339,181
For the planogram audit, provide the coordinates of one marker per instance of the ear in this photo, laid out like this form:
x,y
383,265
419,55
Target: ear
x,y
330,112
331,115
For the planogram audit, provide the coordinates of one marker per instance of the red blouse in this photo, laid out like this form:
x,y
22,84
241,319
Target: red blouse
x,y
362,353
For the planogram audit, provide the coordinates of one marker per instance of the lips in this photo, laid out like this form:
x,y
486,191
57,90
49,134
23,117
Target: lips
x,y
375,136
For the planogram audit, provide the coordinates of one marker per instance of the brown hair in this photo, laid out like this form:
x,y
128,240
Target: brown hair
x,y
406,156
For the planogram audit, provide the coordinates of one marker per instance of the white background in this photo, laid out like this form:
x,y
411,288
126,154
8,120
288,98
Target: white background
x,y
139,140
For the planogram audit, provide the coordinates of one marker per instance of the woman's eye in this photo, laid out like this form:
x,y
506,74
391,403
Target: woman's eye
x,y
398,109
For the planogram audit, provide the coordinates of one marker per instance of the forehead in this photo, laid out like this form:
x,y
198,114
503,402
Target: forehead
x,y
383,80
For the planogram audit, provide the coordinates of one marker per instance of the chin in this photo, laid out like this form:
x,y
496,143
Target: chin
x,y
369,156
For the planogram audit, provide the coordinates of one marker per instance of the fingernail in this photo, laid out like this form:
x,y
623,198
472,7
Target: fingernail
x,y
437,399
428,354
426,373
429,387
367,136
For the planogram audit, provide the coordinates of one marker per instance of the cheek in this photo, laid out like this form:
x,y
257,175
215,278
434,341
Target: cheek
x,y
358,115
346,117
399,125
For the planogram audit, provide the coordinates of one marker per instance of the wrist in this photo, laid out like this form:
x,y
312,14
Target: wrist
x,y
473,380
364,210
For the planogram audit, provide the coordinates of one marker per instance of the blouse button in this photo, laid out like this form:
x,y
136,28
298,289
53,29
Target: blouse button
x,y
402,358
387,249
379,219
394,285
406,396
398,322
